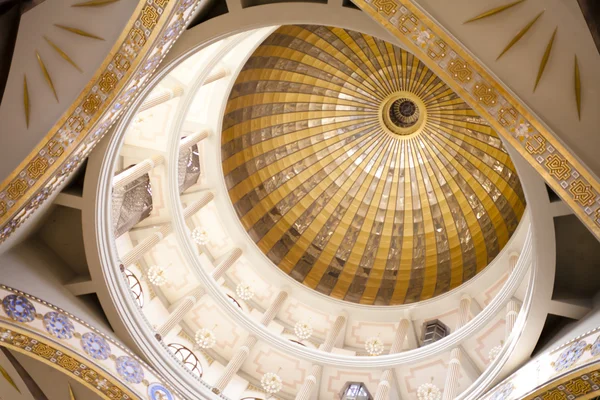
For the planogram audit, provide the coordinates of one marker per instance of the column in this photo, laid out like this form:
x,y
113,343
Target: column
x,y
154,101
193,139
148,243
240,356
451,385
187,304
311,380
513,306
217,73
137,171
383,389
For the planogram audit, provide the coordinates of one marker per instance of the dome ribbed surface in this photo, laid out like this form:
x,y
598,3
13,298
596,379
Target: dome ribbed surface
x,y
340,198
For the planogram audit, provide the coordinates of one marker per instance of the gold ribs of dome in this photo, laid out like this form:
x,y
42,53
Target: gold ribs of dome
x,y
359,173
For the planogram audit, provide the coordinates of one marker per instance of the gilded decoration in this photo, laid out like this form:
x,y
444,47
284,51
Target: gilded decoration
x,y
359,173
408,23
123,74
42,331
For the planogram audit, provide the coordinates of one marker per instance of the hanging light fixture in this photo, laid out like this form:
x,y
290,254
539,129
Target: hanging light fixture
x,y
428,391
303,330
205,338
374,346
156,275
244,291
271,382
200,236
495,352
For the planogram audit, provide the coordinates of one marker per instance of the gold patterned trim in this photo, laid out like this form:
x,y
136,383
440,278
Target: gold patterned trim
x,y
529,136
65,361
146,38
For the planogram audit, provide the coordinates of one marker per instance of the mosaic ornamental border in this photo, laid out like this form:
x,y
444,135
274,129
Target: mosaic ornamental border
x,y
147,37
561,170
64,342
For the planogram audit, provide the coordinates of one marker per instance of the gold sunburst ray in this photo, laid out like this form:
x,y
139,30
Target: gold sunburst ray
x,y
95,3
520,35
10,380
26,104
78,31
62,53
46,74
493,11
545,59
577,87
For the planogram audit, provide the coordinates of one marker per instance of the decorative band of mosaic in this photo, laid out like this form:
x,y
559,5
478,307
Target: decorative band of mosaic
x,y
59,339
146,39
562,171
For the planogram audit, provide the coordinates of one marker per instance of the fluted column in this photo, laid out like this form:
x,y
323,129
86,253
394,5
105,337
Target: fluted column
x,y
383,389
311,380
451,385
216,74
242,353
193,139
148,243
145,245
169,94
188,303
133,173
513,306
512,312
177,315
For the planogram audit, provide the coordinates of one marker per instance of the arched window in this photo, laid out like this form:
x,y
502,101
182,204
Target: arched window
x,y
234,301
136,288
187,357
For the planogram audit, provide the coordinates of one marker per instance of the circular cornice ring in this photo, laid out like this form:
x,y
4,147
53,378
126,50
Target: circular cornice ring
x,y
282,344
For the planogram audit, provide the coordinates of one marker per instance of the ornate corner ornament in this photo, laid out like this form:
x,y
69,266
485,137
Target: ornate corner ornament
x,y
568,177
144,42
44,332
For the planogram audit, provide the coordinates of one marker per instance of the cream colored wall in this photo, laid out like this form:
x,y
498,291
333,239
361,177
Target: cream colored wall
x,y
35,269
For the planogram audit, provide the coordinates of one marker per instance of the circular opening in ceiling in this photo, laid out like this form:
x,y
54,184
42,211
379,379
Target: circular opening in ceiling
x,y
402,114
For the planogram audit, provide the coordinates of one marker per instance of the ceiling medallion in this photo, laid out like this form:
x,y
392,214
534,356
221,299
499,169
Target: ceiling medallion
x,y
359,173
303,330
157,275
402,114
244,291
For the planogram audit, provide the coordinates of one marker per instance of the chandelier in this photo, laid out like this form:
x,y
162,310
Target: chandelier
x,y
200,236
428,391
494,352
156,275
205,338
303,330
374,346
244,291
271,382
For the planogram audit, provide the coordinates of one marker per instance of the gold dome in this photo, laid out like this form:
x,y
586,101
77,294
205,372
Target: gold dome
x,y
361,174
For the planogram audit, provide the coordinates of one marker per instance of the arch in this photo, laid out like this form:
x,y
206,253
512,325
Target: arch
x,y
59,339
